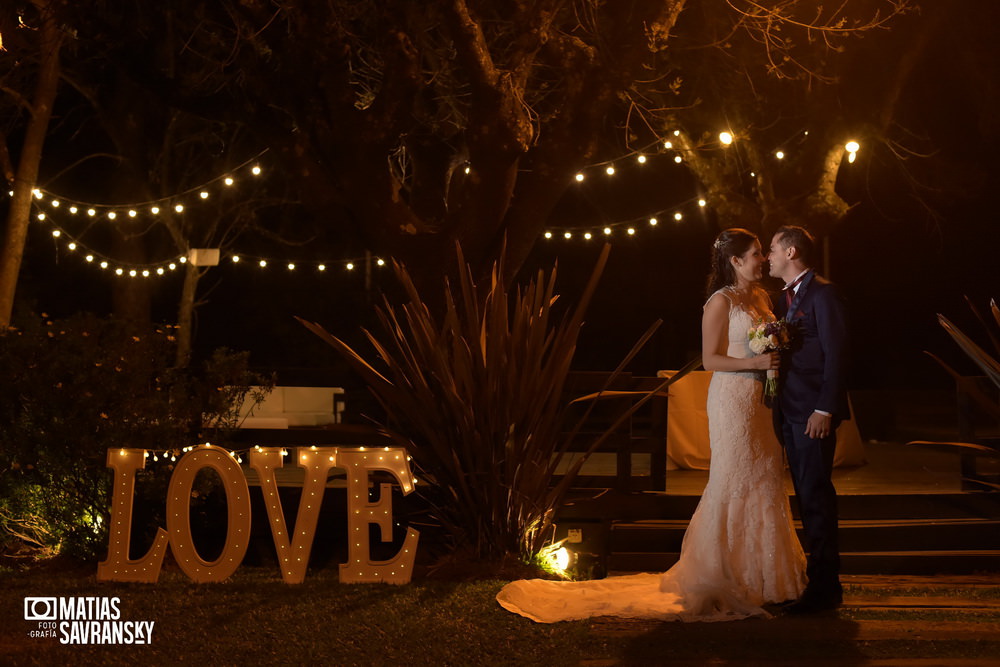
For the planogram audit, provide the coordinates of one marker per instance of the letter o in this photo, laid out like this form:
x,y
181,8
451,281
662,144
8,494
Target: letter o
x,y
179,514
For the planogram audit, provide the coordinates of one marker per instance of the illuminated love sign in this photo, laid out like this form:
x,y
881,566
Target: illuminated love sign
x,y
293,545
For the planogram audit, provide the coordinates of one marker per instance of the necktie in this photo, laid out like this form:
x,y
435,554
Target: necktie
x,y
790,291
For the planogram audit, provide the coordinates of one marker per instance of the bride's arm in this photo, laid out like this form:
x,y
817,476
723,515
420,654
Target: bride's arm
x,y
715,342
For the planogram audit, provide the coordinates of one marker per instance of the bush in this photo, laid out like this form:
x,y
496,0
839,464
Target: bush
x,y
75,389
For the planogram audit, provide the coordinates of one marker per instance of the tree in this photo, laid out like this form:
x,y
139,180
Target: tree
x,y
771,100
466,120
38,41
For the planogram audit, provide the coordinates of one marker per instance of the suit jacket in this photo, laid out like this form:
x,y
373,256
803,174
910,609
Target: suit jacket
x,y
813,369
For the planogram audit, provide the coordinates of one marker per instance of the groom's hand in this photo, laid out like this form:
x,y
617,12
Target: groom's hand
x,y
819,425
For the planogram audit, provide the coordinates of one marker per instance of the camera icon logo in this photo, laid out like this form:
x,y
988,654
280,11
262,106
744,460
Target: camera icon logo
x,y
40,609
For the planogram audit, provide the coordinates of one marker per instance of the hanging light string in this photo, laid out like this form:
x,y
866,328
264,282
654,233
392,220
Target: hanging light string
x,y
227,179
47,203
171,454
163,267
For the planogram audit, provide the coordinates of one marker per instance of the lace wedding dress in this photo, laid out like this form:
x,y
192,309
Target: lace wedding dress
x,y
740,550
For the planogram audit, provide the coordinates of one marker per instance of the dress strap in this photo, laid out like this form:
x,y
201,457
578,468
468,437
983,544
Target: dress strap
x,y
724,291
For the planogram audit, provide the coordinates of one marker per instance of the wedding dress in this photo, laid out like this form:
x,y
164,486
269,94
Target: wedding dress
x,y
740,550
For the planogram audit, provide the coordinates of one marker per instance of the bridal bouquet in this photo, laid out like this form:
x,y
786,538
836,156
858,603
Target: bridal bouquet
x,y
768,336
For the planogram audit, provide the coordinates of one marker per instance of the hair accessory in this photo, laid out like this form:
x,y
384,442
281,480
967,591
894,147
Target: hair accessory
x,y
718,243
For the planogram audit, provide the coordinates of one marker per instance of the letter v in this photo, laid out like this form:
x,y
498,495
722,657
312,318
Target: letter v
x,y
293,554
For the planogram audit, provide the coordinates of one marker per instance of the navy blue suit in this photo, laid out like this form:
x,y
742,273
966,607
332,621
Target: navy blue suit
x,y
812,377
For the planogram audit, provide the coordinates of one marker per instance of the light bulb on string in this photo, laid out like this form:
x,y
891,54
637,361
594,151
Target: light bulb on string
x,y
610,170
350,266
579,178
641,159
548,235
653,221
678,216
725,138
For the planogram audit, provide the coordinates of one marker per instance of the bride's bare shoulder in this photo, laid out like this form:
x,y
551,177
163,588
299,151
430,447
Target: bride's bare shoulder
x,y
719,298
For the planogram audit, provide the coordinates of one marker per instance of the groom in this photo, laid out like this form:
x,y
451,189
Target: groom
x,y
811,403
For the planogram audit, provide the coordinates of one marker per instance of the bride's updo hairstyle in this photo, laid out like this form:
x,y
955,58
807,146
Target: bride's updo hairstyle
x,y
732,242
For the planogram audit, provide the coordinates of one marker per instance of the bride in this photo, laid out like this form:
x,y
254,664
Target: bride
x,y
740,550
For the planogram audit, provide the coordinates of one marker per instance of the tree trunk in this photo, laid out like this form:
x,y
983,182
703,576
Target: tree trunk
x,y
15,237
185,315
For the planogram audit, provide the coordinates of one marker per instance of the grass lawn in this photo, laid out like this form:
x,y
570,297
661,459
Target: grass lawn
x,y
255,618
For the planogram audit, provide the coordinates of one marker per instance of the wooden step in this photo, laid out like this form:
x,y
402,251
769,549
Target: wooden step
x,y
934,562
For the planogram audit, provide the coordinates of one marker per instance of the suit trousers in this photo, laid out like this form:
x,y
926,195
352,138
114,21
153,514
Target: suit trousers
x,y
811,464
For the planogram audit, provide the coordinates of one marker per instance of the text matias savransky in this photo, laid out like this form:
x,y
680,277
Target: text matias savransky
x,y
85,620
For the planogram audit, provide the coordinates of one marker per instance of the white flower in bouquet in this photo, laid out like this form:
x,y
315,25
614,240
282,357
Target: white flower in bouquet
x,y
767,336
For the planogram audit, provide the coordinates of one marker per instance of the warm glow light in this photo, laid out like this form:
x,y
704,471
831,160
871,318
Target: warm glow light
x,y
726,138
579,177
179,208
256,170
702,202
561,558
631,230
610,170
56,233
851,157
380,262
90,258
291,266
567,235
678,159
653,221
852,147
678,216
229,180
587,235
548,235
321,267
780,155
350,266
236,258
668,144
155,210
263,263
607,231
112,215
641,159
203,194
72,246
132,213
91,212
